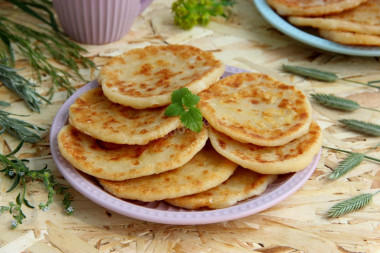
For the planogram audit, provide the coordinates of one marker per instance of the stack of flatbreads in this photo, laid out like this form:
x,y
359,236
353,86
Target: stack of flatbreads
x,y
256,128
352,22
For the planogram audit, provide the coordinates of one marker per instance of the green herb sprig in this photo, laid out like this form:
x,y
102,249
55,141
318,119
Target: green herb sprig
x,y
361,126
17,170
22,87
184,105
354,159
39,44
188,13
350,205
35,7
324,76
350,162
4,104
339,103
19,128
360,201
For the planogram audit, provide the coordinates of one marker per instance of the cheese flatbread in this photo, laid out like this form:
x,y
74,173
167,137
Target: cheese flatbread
x,y
350,38
95,115
206,170
120,162
312,7
364,19
242,185
254,108
291,157
146,77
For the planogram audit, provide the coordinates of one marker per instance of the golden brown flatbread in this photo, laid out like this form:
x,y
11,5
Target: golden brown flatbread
x,y
95,115
120,162
291,157
364,19
242,185
312,7
254,108
146,77
350,38
206,170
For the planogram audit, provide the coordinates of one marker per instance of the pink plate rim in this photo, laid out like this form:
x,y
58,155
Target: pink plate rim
x,y
159,212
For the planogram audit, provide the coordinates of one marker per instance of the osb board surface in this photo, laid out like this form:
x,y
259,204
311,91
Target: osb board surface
x,y
297,224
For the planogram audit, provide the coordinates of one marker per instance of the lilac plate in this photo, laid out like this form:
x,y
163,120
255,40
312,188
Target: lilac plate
x,y
160,211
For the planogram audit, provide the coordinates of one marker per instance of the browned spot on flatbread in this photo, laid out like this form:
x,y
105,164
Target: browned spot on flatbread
x,y
259,109
162,69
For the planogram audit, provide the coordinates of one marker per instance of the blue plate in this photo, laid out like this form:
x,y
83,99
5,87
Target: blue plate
x,y
282,25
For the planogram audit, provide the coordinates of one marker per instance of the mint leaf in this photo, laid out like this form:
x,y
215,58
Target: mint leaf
x,y
190,100
192,119
174,110
184,105
177,95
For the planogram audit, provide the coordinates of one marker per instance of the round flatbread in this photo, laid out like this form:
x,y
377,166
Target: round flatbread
x,y
120,162
290,157
206,170
254,108
146,77
312,7
350,38
95,115
364,19
242,185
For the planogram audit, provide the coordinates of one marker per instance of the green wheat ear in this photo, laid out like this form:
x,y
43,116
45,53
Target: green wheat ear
x,y
338,103
350,205
324,76
346,165
335,102
311,73
361,126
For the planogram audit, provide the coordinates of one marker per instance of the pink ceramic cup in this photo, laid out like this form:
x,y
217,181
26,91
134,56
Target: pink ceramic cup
x,y
98,21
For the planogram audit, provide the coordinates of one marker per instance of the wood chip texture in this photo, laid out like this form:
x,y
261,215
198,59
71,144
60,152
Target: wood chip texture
x,y
297,224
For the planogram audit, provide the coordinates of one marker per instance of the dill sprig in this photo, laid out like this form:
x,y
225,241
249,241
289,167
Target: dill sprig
x,y
19,128
361,126
324,76
22,87
350,162
339,103
17,170
350,205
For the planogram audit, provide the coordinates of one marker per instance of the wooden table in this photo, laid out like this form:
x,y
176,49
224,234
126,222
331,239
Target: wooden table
x,y
297,224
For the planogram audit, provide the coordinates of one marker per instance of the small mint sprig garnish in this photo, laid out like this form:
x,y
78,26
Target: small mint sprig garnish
x,y
350,205
184,105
